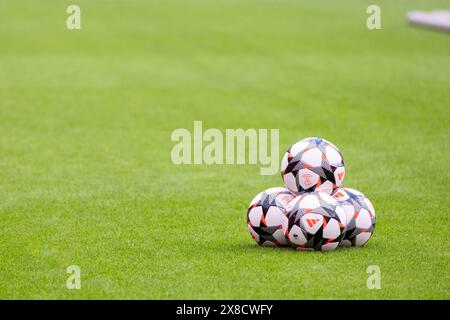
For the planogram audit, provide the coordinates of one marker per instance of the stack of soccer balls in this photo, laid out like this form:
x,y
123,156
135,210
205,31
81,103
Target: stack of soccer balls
x,y
313,212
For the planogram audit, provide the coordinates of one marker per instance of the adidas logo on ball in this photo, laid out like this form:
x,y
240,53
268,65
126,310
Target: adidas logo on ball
x,y
312,222
313,211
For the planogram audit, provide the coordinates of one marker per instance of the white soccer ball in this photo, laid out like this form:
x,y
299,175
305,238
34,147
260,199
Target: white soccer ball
x,y
266,216
360,216
316,222
313,164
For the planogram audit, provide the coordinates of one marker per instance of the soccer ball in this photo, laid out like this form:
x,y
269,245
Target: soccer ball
x,y
266,216
313,164
316,222
360,217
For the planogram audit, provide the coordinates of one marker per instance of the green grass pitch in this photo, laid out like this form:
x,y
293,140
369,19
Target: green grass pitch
x,y
85,122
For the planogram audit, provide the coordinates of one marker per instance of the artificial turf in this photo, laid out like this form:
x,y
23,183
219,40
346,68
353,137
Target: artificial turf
x,y
86,118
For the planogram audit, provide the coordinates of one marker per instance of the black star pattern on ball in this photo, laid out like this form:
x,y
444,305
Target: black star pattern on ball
x,y
266,233
267,201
